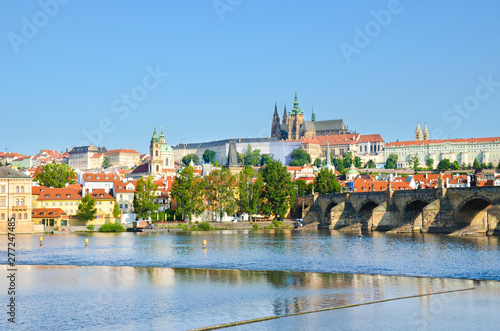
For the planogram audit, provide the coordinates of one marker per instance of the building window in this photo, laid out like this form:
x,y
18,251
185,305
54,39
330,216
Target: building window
x,y
156,153
25,216
2,217
19,216
22,202
17,202
2,202
2,189
22,189
17,189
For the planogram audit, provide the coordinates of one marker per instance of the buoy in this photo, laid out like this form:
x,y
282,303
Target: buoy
x,y
41,241
86,242
204,244
359,234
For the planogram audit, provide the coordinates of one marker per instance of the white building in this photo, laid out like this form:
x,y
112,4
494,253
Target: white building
x,y
464,151
81,157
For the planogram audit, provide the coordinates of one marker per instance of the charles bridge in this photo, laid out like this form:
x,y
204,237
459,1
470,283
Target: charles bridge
x,y
459,211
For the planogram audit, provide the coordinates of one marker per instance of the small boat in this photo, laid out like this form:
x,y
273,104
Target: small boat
x,y
359,234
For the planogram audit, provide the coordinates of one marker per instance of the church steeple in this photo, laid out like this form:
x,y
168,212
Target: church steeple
x,y
285,116
155,136
418,133
313,117
296,110
275,126
426,133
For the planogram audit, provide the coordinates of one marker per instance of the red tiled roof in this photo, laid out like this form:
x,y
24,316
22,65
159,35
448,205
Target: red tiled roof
x,y
47,212
59,194
100,194
37,190
100,177
454,141
120,187
96,156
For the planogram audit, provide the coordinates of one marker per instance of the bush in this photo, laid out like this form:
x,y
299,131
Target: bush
x,y
205,226
91,227
112,227
255,226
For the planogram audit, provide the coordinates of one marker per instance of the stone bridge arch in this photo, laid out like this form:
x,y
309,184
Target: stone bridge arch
x,y
365,213
472,211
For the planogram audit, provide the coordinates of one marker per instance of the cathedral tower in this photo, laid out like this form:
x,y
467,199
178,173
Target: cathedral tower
x,y
276,127
155,161
425,133
418,133
295,120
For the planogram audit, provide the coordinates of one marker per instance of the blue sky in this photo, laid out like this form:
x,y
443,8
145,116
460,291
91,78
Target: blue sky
x,y
70,74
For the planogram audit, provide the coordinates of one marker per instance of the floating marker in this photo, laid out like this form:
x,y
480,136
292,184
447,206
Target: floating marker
x,y
41,241
86,242
204,244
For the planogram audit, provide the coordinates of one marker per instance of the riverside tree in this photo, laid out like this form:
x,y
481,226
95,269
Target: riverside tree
x,y
187,191
209,156
143,198
219,189
86,209
55,175
250,190
278,190
300,158
326,182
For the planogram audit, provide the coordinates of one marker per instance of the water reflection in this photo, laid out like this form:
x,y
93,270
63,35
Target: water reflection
x,y
432,255
181,298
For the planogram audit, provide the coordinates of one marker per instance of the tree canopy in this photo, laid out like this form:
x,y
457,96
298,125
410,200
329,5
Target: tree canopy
x,y
209,156
430,164
144,195
106,162
300,158
326,182
250,190
265,159
187,191
278,190
86,209
392,162
220,186
476,165
252,157
55,175
444,165
186,160
370,164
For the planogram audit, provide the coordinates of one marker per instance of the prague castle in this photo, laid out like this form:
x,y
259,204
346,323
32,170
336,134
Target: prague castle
x,y
294,127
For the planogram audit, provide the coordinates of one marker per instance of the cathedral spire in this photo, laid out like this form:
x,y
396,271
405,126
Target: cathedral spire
x,y
275,126
313,117
418,133
285,116
425,133
296,109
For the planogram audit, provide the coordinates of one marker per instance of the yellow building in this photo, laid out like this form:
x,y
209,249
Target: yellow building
x,y
64,198
49,217
119,157
15,197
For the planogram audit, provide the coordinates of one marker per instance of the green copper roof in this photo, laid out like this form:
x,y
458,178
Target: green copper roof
x,y
296,110
166,148
162,135
313,117
155,136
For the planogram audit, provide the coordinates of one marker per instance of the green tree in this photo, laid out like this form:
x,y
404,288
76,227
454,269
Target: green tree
x,y
278,190
300,157
106,162
357,162
116,211
144,195
498,166
484,166
190,157
370,164
187,191
252,157
265,159
209,156
475,165
220,186
430,164
317,163
301,186
444,165
455,165
86,209
55,175
338,163
391,162
490,165
348,160
415,162
250,190
326,182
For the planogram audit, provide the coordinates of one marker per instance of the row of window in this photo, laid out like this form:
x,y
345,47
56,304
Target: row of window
x,y
19,216
18,202
19,189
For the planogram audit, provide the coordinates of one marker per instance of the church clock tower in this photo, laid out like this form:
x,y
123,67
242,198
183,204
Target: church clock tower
x,y
155,161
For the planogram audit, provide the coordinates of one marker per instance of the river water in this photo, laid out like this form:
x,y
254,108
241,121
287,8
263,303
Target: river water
x,y
167,281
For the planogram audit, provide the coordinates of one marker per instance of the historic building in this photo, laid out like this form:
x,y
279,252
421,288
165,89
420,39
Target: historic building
x,y
81,157
123,157
295,127
15,200
421,135
161,155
